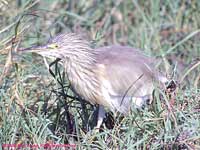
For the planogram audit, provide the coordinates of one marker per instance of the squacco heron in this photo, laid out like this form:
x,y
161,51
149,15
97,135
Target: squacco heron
x,y
111,76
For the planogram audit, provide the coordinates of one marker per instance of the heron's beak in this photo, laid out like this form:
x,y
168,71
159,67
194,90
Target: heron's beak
x,y
34,49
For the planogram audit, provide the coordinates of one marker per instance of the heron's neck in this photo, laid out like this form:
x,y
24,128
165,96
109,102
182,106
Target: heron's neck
x,y
81,64
81,70
79,58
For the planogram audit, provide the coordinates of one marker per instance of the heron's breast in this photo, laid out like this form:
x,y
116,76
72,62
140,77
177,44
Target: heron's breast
x,y
106,89
84,83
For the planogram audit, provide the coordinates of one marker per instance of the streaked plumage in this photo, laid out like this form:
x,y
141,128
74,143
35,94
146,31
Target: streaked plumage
x,y
111,76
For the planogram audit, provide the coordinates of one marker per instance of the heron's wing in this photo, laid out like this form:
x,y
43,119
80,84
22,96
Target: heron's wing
x,y
127,72
126,69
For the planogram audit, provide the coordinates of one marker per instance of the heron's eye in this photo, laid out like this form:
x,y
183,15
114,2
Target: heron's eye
x,y
52,46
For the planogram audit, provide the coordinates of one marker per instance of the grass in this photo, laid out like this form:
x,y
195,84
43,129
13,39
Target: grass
x,y
37,107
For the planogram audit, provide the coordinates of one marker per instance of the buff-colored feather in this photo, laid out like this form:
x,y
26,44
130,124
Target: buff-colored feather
x,y
112,76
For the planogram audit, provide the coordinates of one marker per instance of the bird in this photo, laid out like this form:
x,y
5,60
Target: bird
x,y
114,76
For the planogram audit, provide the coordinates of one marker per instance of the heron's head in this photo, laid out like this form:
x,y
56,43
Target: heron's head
x,y
62,46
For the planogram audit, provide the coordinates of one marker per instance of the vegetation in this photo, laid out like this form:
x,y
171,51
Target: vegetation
x,y
37,106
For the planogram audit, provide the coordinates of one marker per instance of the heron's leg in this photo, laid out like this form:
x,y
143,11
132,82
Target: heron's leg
x,y
101,115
